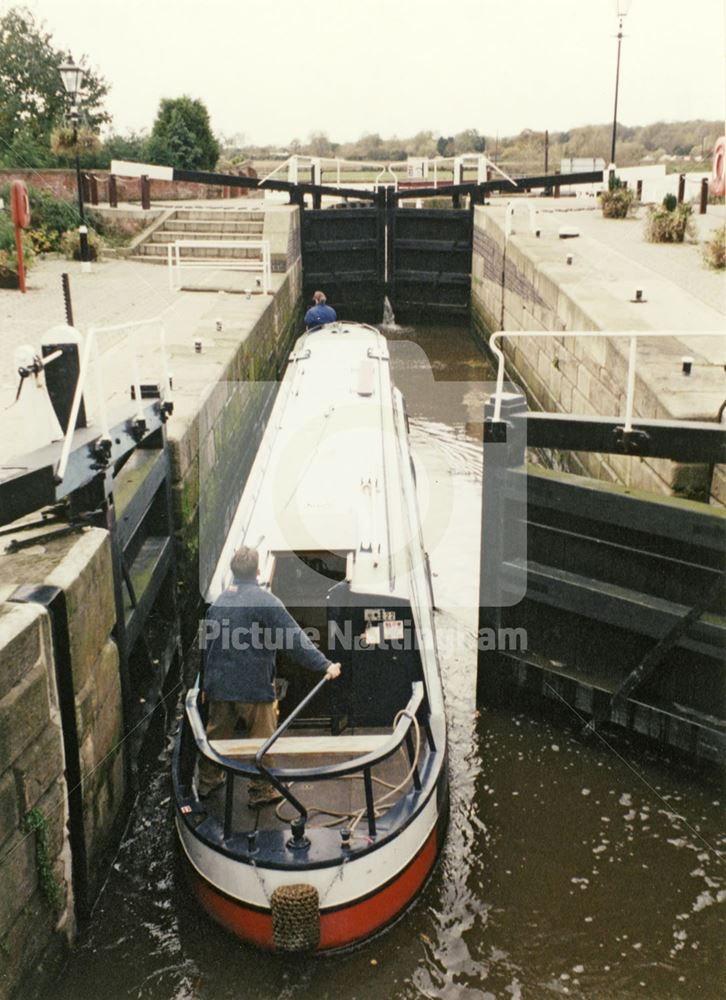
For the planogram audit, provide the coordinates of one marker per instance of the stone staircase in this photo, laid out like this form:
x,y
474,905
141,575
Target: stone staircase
x,y
201,224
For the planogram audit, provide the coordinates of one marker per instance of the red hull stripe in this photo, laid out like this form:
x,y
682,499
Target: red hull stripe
x,y
339,928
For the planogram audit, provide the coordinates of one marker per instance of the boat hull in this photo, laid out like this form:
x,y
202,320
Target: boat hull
x,y
348,921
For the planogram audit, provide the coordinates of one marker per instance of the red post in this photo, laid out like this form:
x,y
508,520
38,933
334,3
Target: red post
x,y
93,185
145,191
681,188
557,187
112,191
704,195
21,262
639,190
20,214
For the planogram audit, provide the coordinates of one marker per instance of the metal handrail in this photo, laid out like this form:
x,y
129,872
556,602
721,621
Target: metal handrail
x,y
632,335
91,351
283,727
301,774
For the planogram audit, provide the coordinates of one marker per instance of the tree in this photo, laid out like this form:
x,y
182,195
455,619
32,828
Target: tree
x,y
320,145
469,141
182,136
445,145
32,97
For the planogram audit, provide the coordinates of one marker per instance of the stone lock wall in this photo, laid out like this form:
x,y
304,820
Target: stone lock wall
x,y
213,447
522,283
36,909
37,905
59,665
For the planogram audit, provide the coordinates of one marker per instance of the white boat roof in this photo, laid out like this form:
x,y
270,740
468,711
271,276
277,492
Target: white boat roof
x,y
332,470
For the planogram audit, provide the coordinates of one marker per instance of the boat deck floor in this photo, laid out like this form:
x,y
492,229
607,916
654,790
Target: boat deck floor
x,y
329,803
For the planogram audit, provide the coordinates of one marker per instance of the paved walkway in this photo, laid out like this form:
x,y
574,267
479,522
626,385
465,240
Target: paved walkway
x,y
115,291
680,263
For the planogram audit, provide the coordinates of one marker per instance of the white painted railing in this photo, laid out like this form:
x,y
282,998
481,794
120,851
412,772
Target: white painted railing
x,y
91,357
631,336
176,260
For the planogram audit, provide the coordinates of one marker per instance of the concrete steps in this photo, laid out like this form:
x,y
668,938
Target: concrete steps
x,y
160,250
235,225
215,215
201,227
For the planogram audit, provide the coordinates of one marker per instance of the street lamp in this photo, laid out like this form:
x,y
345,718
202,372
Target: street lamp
x,y
72,77
622,7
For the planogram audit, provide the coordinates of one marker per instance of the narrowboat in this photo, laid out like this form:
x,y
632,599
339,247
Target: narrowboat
x,y
360,762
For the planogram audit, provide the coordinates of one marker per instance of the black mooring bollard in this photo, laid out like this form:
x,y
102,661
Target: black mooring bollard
x,y
61,375
681,188
704,196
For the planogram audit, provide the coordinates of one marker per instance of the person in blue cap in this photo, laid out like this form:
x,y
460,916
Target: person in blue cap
x,y
320,312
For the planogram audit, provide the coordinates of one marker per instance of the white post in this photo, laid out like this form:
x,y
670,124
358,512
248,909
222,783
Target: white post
x,y
135,371
533,218
167,393
499,354
75,406
100,389
630,392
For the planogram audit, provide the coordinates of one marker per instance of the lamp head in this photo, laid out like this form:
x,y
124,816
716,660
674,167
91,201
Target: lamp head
x,y
72,77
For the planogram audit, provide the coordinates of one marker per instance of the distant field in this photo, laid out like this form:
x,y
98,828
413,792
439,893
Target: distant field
x,y
347,176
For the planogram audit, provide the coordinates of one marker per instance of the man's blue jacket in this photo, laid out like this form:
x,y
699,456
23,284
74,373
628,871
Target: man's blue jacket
x,y
244,628
320,314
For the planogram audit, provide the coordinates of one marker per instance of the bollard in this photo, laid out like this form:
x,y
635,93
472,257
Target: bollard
x,y
681,188
93,187
61,375
704,196
145,191
557,186
112,191
639,190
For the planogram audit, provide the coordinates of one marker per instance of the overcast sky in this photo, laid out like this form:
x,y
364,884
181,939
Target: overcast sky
x,y
278,69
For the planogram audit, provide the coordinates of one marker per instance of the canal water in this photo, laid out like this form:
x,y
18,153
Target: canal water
x,y
590,870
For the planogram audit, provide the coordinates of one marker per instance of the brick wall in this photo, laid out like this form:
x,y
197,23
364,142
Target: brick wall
x,y
62,183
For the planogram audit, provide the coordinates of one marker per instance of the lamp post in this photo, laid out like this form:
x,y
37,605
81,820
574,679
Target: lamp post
x,y
622,8
72,77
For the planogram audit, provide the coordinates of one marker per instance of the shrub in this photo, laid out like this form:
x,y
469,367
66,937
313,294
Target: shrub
x,y
62,144
44,242
8,251
617,202
714,250
51,216
70,244
664,226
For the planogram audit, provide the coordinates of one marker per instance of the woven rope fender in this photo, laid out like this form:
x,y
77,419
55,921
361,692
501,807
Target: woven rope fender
x,y
295,918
